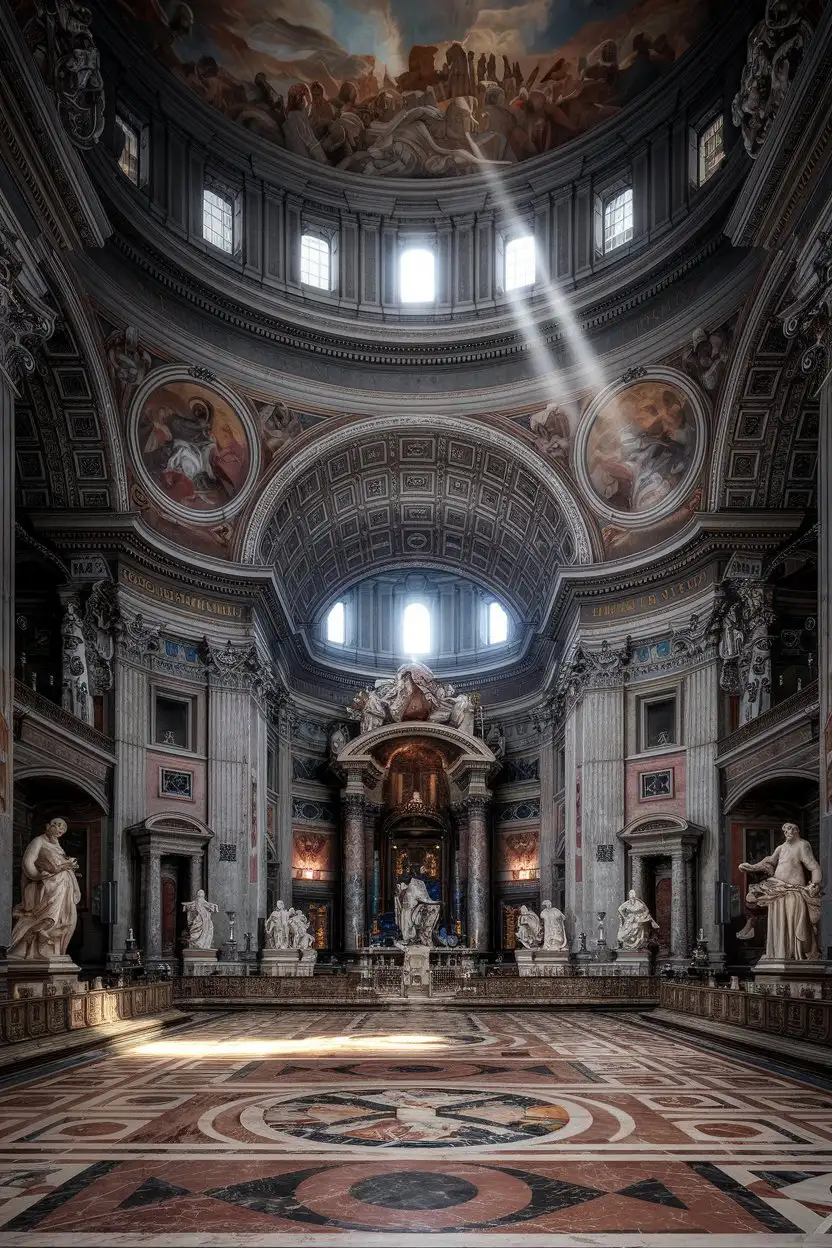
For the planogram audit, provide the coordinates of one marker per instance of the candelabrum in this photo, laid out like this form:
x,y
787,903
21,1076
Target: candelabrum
x,y
602,936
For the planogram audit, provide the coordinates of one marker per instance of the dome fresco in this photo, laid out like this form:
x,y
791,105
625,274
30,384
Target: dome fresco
x,y
396,89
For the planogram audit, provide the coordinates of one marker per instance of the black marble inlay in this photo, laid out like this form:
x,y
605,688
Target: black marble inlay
x,y
414,1189
654,1192
152,1192
274,1195
28,1219
770,1218
591,1076
246,1070
784,1178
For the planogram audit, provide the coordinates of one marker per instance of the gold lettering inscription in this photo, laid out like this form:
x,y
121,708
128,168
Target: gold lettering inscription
x,y
165,593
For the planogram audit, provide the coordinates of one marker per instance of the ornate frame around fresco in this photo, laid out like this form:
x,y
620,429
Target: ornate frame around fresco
x,y
181,373
677,496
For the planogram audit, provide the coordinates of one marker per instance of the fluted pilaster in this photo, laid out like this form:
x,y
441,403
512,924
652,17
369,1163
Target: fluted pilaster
x,y
548,824
6,649
229,799
702,697
132,698
602,801
825,648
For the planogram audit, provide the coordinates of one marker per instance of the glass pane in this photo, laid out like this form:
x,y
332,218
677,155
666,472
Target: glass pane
x,y
416,633
218,220
128,161
314,262
660,723
172,718
417,283
497,624
336,625
520,263
618,220
711,149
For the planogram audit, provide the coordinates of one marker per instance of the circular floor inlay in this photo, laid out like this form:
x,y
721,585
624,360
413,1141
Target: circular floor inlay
x,y
414,1189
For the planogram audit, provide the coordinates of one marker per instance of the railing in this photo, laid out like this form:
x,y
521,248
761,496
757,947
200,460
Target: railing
x,y
804,701
33,1018
39,705
322,989
798,1018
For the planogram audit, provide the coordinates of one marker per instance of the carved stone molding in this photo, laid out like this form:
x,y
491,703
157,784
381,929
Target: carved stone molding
x,y
24,319
775,50
60,39
807,316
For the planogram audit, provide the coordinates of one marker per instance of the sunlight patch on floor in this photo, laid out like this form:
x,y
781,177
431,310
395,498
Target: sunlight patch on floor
x,y
310,1045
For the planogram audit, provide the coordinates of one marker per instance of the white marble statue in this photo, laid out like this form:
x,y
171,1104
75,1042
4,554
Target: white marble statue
x,y
413,693
277,928
529,929
299,936
554,928
791,899
416,912
48,909
635,923
200,924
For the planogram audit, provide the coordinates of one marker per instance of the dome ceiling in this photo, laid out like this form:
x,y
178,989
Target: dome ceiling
x,y
400,89
373,498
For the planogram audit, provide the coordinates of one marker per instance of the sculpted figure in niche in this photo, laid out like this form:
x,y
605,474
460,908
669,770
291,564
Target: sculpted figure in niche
x,y
299,937
554,928
277,928
200,924
48,910
791,895
416,912
636,923
529,929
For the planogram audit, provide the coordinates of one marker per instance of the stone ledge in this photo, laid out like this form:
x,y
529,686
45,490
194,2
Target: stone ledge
x,y
781,1047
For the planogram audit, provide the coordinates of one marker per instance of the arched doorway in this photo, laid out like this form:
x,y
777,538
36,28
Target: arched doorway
x,y
39,798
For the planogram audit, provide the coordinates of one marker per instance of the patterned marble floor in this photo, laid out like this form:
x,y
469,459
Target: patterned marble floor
x,y
416,1126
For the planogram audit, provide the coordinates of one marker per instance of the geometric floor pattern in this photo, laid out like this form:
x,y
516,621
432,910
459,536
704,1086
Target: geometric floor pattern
x,y
422,1125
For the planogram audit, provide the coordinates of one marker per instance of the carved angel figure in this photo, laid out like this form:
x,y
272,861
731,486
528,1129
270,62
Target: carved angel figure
x,y
551,431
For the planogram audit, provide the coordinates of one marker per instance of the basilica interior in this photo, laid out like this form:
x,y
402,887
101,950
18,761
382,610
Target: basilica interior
x,y
415,651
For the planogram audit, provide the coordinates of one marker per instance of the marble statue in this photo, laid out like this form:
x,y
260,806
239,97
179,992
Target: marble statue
x,y
529,929
413,693
299,936
75,678
48,910
775,49
791,899
416,912
277,928
636,923
554,928
200,924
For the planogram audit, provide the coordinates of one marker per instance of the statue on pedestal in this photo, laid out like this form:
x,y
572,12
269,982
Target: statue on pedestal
x,y
416,912
791,899
200,924
529,929
636,923
413,693
554,928
299,937
277,927
48,910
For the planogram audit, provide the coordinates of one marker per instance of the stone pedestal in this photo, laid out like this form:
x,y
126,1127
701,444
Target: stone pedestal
x,y
33,976
633,961
280,961
801,977
199,962
306,965
417,966
542,962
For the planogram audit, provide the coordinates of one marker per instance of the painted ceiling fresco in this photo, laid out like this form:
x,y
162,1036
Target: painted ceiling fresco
x,y
396,88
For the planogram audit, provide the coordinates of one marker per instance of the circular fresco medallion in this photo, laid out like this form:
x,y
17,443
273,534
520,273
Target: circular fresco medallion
x,y
195,446
413,1118
640,447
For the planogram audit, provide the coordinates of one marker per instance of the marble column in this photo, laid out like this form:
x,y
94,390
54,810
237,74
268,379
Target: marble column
x,y
679,940
196,875
153,902
548,814
478,879
573,850
703,807
131,696
638,874
24,319
354,866
602,802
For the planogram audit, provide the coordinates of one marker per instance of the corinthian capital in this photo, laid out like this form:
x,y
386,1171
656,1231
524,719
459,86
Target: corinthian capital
x,y
24,319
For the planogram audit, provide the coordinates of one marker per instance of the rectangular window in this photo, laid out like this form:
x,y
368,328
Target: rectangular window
x,y
128,161
520,262
711,149
315,268
618,220
218,219
417,277
658,723
172,721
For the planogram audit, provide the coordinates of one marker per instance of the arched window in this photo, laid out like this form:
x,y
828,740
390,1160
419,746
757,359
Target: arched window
x,y
336,625
416,629
497,624
417,278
